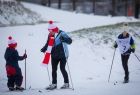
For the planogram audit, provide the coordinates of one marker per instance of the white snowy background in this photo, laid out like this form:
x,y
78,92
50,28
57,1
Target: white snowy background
x,y
90,57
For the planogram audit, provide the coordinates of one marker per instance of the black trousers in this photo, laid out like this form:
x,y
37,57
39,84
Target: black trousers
x,y
15,79
55,63
124,59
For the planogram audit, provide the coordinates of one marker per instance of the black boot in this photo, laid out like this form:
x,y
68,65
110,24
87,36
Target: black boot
x,y
11,88
126,80
20,88
65,86
51,87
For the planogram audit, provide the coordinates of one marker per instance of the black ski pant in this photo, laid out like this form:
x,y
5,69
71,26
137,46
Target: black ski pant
x,y
124,59
15,79
55,63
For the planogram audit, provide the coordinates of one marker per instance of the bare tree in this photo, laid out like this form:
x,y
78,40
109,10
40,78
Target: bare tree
x,y
59,4
94,3
137,8
126,7
113,11
49,3
74,4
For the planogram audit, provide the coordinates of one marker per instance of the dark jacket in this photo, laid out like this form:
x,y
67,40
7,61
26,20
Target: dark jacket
x,y
11,56
59,49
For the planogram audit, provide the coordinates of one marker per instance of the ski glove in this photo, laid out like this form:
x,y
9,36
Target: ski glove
x,y
43,50
133,50
115,45
25,56
66,40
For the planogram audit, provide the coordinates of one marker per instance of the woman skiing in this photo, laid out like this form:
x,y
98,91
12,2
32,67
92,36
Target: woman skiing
x,y
59,54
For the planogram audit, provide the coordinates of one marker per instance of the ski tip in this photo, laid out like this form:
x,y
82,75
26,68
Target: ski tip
x,y
40,91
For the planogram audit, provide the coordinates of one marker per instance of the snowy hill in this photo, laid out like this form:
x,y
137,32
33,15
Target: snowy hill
x,y
71,21
90,54
14,13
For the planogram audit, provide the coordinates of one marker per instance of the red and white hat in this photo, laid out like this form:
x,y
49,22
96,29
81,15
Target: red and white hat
x,y
11,42
52,27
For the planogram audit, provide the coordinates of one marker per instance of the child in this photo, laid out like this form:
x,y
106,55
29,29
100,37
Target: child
x,y
13,70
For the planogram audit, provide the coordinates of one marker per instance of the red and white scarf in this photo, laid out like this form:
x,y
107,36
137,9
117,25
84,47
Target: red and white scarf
x,y
49,49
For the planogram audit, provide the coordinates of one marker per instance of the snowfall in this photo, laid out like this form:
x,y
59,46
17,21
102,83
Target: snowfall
x,y
90,54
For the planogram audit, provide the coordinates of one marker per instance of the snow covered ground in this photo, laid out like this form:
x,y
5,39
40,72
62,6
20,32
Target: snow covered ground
x,y
90,54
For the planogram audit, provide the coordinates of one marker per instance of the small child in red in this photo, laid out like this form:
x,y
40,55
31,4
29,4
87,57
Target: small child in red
x,y
13,70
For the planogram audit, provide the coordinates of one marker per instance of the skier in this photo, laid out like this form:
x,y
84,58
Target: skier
x,y
13,70
59,53
126,45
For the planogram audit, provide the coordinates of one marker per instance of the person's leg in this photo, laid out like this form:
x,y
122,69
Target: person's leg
x,y
54,63
11,82
63,70
125,66
54,70
19,80
127,70
11,71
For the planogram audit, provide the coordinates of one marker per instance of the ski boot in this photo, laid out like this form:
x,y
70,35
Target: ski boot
x,y
19,88
65,86
51,87
11,88
126,80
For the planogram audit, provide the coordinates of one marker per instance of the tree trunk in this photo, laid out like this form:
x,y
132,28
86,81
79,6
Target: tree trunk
x,y
74,4
137,8
59,4
126,7
113,11
49,3
94,4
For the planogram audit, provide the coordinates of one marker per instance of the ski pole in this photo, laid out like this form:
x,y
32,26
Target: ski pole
x,y
137,57
25,70
70,74
48,74
111,65
68,68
